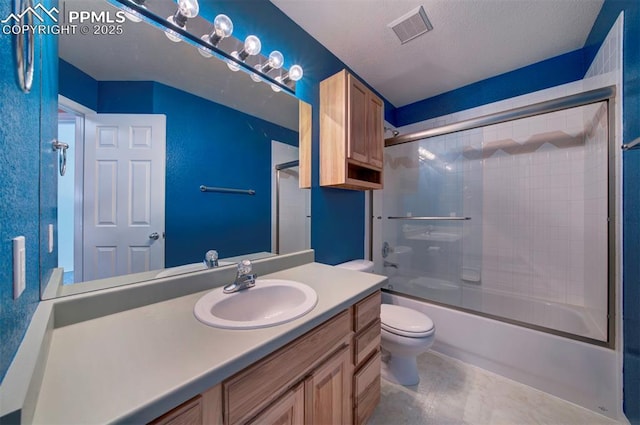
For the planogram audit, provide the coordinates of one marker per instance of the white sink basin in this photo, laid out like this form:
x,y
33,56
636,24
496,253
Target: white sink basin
x,y
188,268
271,302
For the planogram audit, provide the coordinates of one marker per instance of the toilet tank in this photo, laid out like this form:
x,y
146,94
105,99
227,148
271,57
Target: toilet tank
x,y
358,265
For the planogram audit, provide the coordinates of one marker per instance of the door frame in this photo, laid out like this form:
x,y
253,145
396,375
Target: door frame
x,y
80,111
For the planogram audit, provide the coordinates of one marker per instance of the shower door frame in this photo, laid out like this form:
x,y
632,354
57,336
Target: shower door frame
x,y
605,94
278,169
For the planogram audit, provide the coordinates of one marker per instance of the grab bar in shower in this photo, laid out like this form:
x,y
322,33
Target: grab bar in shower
x,y
445,218
204,188
631,145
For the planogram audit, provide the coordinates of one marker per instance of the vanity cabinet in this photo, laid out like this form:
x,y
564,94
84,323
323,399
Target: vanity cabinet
x,y
330,375
328,391
366,357
351,134
255,388
203,409
288,410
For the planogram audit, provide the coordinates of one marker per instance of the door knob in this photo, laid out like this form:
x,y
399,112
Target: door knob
x,y
155,236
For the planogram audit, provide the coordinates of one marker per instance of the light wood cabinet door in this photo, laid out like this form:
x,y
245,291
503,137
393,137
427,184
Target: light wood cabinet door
x,y
351,134
288,410
357,140
328,391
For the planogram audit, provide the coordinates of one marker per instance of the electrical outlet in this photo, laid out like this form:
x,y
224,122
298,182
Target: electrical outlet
x,y
19,266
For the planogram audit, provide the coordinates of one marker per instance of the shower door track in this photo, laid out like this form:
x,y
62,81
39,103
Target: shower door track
x,y
566,102
604,94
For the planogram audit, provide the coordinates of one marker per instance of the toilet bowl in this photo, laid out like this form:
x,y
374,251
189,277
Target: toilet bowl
x,y
406,333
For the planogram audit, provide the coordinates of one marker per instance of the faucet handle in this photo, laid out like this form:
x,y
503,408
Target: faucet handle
x,y
244,267
211,259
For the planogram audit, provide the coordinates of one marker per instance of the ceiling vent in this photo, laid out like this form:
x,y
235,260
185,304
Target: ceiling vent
x,y
412,25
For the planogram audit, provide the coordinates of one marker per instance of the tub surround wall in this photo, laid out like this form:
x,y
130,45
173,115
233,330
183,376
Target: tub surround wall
x,y
537,207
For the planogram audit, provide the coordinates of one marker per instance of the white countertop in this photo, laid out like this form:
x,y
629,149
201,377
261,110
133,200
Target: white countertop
x,y
134,365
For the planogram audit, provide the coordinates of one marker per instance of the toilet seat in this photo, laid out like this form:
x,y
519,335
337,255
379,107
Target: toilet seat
x,y
405,321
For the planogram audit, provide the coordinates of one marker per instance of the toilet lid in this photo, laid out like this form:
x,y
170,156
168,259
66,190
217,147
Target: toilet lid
x,y
405,321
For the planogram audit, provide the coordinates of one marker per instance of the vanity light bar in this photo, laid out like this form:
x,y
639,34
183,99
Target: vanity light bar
x,y
226,48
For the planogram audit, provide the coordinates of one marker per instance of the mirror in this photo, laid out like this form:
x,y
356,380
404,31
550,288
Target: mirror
x,y
149,122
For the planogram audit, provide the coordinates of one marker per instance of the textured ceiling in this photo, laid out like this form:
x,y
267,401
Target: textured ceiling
x,y
471,40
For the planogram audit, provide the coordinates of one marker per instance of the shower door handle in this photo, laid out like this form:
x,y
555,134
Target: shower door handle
x,y
444,218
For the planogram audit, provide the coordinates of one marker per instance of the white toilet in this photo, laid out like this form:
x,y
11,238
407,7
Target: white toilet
x,y
406,333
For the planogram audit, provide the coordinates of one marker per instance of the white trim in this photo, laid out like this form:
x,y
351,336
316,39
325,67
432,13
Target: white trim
x,y
75,106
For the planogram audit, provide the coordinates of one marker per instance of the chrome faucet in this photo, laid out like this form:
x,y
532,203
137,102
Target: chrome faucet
x,y
244,278
211,259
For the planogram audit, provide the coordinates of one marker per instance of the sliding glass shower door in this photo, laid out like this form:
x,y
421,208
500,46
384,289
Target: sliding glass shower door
x,y
509,220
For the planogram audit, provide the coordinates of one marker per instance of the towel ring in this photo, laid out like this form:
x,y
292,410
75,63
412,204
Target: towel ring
x,y
24,68
60,146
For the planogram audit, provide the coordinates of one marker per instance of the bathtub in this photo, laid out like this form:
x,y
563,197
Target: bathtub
x,y
583,373
571,319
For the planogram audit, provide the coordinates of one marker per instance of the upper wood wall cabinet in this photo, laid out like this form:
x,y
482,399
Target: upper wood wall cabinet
x,y
304,145
351,134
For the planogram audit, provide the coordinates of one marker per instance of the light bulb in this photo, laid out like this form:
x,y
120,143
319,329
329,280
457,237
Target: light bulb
x,y
203,51
172,35
223,26
295,73
188,8
255,77
232,65
276,60
252,45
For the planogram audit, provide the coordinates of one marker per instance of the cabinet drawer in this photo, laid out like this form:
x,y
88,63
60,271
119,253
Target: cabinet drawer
x,y
366,342
259,384
367,311
188,413
366,389
288,410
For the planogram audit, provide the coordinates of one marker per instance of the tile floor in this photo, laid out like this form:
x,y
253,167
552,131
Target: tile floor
x,y
452,392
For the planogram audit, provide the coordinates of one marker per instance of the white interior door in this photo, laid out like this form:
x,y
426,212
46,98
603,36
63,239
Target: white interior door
x,y
124,194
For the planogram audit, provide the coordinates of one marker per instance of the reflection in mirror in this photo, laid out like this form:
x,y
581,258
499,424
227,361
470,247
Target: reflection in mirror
x,y
148,122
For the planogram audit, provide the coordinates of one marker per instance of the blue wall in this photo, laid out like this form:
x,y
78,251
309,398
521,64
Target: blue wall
x,y
538,76
208,144
630,193
337,230
78,86
19,212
